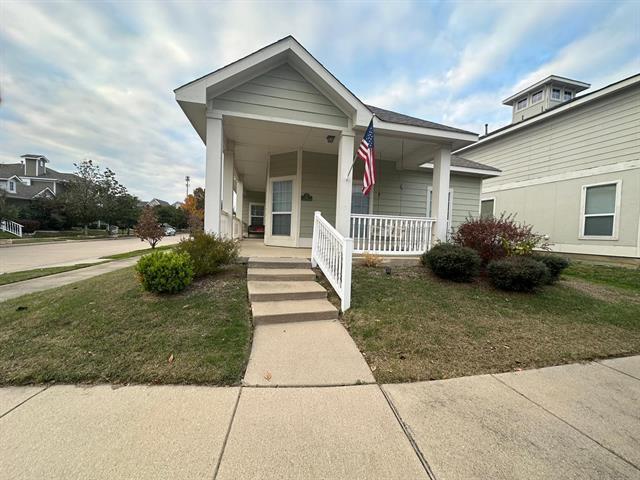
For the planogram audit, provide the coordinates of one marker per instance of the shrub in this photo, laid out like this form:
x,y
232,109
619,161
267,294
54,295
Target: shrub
x,y
371,260
208,252
453,262
28,226
554,263
495,238
517,274
165,272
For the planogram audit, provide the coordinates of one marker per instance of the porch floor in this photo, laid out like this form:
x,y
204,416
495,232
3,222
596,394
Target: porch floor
x,y
255,247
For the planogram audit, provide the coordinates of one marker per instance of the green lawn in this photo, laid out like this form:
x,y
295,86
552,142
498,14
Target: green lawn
x,y
6,278
621,277
136,253
107,329
413,326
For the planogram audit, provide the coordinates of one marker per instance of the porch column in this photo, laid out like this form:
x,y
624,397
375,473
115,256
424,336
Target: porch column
x,y
440,192
240,203
227,189
345,177
213,175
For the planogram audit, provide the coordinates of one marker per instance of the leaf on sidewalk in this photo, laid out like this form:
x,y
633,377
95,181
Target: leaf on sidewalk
x,y
267,376
170,358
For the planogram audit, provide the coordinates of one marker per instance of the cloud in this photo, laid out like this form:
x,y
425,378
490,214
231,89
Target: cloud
x,y
95,80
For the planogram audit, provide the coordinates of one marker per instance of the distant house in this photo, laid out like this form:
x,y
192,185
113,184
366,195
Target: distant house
x,y
570,165
177,204
156,202
30,179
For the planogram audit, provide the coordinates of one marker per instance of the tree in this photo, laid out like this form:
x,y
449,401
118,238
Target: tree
x,y
175,217
7,211
148,229
82,195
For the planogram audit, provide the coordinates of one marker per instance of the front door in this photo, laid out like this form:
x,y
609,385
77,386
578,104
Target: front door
x,y
281,226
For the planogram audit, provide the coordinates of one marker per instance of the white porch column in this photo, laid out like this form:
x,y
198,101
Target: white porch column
x,y
240,202
440,191
227,188
213,176
345,176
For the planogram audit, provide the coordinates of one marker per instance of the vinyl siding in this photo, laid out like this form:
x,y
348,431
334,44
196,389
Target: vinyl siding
x,y
603,132
283,164
319,179
282,93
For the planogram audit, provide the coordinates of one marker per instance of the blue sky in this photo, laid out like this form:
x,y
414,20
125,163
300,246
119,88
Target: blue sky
x,y
95,80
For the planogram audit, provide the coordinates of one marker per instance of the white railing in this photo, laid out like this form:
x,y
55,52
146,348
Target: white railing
x,y
333,254
11,227
226,224
391,235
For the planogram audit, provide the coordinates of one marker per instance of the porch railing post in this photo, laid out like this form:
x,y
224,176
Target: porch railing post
x,y
314,241
347,261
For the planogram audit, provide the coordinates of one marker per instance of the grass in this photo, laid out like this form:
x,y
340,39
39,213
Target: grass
x,y
621,277
136,253
12,277
106,329
413,326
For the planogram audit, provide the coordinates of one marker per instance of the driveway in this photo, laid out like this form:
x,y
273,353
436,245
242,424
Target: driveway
x,y
576,421
14,258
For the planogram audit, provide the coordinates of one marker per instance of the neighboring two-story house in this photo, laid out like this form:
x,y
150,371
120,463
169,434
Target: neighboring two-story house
x,y
570,165
31,179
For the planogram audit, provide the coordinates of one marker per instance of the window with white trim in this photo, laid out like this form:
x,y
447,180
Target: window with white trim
x,y
521,104
12,186
556,94
568,95
536,97
256,212
600,205
487,208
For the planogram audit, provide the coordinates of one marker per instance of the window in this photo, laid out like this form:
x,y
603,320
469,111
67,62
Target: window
x,y
12,186
487,208
521,104
568,95
281,207
536,97
599,210
556,94
359,202
256,214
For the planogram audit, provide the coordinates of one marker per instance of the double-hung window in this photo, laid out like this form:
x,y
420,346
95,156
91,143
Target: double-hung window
x,y
256,214
600,210
521,104
536,97
556,94
568,95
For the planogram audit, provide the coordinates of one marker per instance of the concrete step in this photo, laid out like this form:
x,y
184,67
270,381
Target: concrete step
x,y
293,311
280,274
278,291
266,262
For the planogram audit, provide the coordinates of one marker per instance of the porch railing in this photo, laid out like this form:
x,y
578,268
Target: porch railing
x,y
333,254
237,228
391,235
11,227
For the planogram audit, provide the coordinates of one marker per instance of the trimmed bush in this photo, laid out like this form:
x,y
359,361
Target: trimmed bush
x,y
517,274
165,272
453,262
497,237
555,264
208,252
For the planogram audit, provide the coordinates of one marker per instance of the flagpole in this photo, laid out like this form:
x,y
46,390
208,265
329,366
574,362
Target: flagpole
x,y
355,156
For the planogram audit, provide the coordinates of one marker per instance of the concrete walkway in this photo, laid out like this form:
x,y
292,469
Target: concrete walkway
x,y
578,421
17,289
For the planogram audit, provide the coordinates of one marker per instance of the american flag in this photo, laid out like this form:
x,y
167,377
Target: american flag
x,y
367,153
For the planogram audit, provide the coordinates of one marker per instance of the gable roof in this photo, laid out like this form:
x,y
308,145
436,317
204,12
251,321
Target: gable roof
x,y
192,96
10,169
464,165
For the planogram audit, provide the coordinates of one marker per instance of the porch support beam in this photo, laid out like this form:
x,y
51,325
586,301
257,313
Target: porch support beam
x,y
213,175
345,179
227,188
240,203
440,191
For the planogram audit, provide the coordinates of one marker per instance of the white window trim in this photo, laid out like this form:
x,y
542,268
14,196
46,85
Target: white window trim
x,y
493,211
559,99
371,192
564,92
526,104
616,213
11,189
258,204
531,102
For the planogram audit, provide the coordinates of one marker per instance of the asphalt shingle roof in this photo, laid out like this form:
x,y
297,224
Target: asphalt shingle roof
x,y
457,161
395,117
10,169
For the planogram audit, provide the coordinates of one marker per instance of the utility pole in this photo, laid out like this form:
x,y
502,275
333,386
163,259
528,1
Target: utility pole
x,y
187,179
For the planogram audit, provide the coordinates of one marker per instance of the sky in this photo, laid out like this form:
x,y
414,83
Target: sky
x,y
95,79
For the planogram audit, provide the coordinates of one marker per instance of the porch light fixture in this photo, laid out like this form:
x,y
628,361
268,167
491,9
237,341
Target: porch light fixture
x,y
330,138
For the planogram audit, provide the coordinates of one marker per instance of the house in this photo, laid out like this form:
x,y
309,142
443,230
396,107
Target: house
x,y
570,165
30,179
280,133
156,202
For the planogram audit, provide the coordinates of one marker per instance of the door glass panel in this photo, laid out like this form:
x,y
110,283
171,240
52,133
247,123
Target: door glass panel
x,y
601,199
599,226
282,200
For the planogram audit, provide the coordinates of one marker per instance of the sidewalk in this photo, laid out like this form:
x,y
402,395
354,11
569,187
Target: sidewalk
x,y
17,289
573,422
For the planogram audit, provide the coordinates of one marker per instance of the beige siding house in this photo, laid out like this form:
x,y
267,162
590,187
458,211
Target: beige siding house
x,y
281,133
572,169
